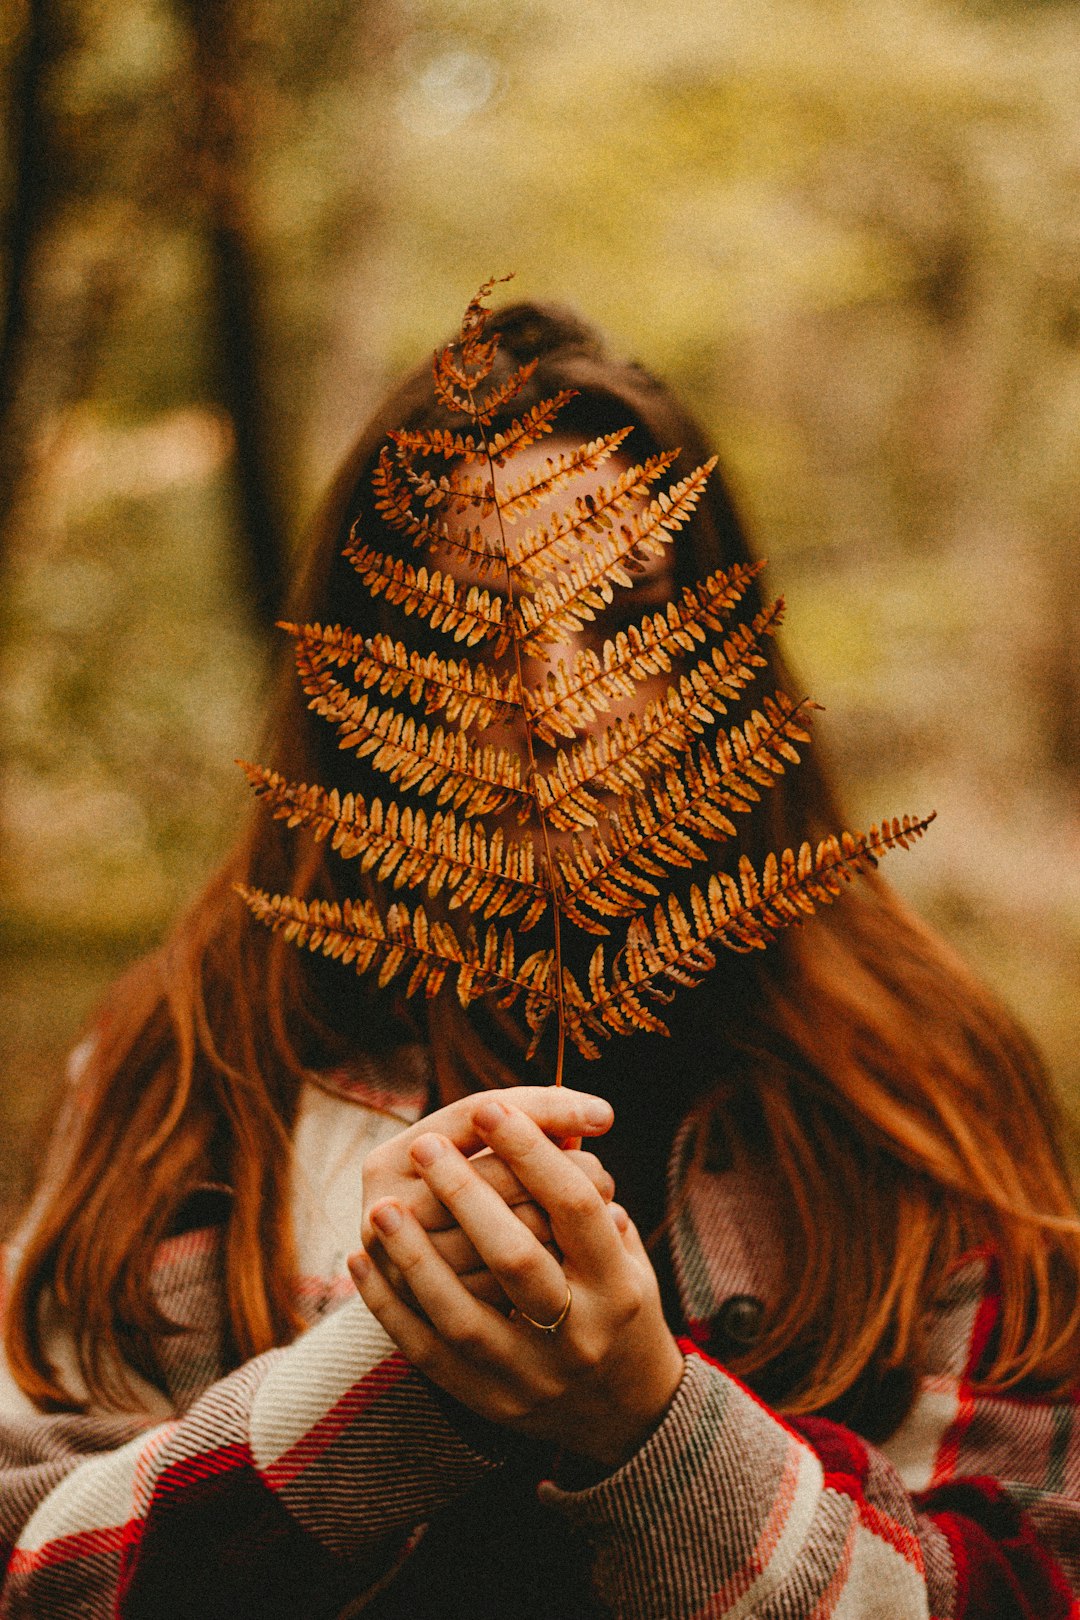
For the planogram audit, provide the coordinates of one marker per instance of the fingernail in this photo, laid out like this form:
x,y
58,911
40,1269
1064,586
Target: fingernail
x,y
426,1149
490,1114
359,1265
387,1217
598,1112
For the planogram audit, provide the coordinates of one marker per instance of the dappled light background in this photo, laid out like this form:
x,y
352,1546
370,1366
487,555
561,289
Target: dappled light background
x,y
848,233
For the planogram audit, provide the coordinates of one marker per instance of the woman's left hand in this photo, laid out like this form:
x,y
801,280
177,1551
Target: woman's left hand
x,y
604,1378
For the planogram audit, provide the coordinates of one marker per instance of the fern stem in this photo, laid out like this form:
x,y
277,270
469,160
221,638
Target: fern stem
x,y
534,775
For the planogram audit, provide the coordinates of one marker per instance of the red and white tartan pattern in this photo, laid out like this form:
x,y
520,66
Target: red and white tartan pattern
x,y
297,1484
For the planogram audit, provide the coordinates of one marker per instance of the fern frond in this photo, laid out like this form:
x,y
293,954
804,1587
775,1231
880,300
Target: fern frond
x,y
641,799
500,396
477,353
561,539
669,822
567,698
575,1004
632,749
459,492
475,779
455,491
476,316
593,683
468,694
443,442
394,501
495,876
561,606
741,915
573,699
455,387
759,751
527,492
531,426
466,613
356,932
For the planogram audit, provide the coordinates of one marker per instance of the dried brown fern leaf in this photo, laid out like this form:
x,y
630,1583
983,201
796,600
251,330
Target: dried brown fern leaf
x,y
398,486
468,694
755,753
469,362
331,646
570,697
356,932
560,540
531,426
668,824
455,491
598,885
484,411
632,749
487,874
562,606
573,700
477,350
741,915
467,613
522,494
476,779
458,489
394,502
444,442
455,388
677,789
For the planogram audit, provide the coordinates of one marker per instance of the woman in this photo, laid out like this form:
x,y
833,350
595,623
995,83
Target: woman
x,y
840,1382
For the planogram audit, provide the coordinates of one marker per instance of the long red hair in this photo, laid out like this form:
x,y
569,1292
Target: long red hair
x,y
903,1116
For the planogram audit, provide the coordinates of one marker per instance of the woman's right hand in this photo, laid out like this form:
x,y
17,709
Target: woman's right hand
x,y
389,1172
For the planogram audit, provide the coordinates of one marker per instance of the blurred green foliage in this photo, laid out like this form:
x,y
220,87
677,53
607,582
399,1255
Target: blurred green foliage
x,y
847,233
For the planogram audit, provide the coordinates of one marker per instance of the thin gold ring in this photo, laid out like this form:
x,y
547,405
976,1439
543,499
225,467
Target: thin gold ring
x,y
549,1327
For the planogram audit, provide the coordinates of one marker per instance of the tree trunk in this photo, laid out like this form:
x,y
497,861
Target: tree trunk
x,y
31,206
235,327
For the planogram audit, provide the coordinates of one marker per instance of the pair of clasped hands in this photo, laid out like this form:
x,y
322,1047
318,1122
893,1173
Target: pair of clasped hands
x,y
475,1221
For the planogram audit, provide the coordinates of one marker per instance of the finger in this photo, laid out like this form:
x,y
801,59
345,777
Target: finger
x,y
628,1232
458,1373
412,1335
482,1285
434,1217
530,1275
578,1214
503,1179
556,1110
459,1252
601,1179
454,1313
476,1278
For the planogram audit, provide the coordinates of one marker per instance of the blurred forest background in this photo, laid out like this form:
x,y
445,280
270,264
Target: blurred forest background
x,y
848,232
